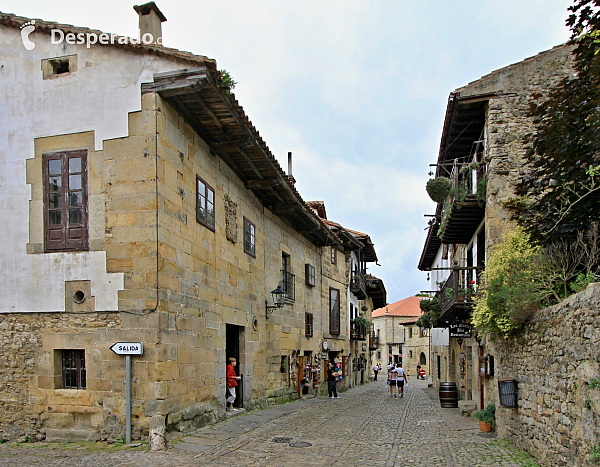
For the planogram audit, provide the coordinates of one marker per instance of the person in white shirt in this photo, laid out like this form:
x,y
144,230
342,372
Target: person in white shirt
x,y
392,380
401,378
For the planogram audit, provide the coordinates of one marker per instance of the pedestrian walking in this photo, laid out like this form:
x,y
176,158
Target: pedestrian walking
x,y
232,382
332,381
392,380
375,370
418,370
401,378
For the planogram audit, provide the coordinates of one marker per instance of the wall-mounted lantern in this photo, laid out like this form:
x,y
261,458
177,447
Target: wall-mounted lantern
x,y
278,301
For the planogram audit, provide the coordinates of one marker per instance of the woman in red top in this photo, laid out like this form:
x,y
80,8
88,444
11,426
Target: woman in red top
x,y
232,382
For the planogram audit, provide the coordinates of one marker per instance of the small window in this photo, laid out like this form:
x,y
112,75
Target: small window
x,y
410,332
205,204
334,311
333,255
379,355
73,369
308,322
249,237
59,66
310,275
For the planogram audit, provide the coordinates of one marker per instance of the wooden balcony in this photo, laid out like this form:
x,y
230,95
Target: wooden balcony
x,y
457,294
358,331
465,208
373,341
358,286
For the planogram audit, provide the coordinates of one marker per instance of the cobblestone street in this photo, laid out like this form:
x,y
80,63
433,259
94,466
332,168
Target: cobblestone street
x,y
364,427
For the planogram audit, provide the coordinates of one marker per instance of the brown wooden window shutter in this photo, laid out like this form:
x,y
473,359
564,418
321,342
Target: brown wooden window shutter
x,y
65,201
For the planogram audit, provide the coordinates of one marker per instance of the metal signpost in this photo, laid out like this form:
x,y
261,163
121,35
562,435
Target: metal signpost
x,y
128,349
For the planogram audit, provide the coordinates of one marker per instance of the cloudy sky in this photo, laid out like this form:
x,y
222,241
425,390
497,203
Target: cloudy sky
x,y
356,89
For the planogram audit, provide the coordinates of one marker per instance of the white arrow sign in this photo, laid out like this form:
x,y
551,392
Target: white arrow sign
x,y
127,348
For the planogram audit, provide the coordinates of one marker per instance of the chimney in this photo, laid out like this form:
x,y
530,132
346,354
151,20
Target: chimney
x,y
150,23
290,176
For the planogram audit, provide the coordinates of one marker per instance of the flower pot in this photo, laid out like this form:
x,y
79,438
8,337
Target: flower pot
x,y
485,427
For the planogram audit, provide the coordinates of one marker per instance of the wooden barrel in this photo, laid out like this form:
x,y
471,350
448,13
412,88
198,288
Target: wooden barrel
x,y
448,395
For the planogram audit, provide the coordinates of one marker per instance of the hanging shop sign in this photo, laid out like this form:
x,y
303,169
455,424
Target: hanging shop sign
x,y
462,331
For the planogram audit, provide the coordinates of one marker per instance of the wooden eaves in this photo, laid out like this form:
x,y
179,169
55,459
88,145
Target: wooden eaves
x,y
199,96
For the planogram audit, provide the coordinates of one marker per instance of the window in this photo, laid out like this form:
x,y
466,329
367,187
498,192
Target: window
x,y
73,369
58,66
410,332
334,311
309,271
65,201
308,324
287,278
333,255
249,237
379,355
205,204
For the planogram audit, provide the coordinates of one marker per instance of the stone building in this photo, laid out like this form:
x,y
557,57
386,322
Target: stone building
x,y
146,208
487,131
416,348
365,293
391,335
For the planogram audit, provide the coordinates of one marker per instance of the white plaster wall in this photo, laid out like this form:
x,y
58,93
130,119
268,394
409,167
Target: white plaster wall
x,y
96,98
440,336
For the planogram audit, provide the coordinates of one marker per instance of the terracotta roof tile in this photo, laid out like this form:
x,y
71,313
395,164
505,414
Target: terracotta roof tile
x,y
408,307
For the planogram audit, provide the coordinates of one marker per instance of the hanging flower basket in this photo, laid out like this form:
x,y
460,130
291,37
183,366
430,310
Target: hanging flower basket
x,y
439,188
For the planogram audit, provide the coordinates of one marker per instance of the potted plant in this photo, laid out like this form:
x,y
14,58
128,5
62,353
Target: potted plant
x,y
438,188
486,417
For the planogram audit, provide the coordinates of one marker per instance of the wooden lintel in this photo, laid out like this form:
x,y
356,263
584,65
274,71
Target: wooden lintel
x,y
262,184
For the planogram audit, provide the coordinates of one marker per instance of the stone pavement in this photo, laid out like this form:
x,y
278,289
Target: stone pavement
x,y
364,427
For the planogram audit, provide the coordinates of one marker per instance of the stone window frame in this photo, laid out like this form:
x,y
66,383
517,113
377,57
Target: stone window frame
x,y
334,311
73,369
203,196
333,255
57,237
249,237
308,324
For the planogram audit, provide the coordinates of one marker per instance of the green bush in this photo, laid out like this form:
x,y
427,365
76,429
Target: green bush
x,y
509,292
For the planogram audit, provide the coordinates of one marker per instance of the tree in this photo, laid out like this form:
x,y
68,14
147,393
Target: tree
x,y
559,197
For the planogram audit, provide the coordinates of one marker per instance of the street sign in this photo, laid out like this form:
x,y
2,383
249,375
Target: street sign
x,y
127,348
463,331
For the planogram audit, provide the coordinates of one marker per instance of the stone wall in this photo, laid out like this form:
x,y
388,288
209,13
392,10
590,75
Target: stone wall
x,y
558,414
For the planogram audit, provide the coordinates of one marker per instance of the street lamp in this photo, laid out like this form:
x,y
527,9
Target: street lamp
x,y
277,294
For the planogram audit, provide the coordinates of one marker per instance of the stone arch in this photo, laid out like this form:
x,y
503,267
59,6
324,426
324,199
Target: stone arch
x,y
423,359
